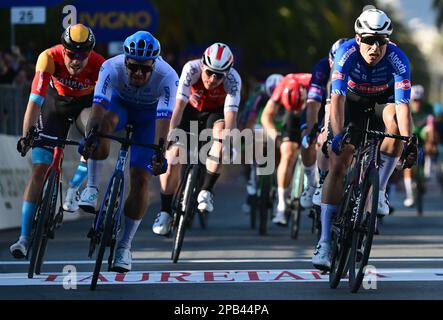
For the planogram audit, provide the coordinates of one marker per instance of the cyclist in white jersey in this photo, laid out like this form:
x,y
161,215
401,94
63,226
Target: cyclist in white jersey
x,y
208,91
138,88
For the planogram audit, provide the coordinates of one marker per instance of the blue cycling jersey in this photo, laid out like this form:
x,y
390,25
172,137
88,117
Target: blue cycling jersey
x,y
319,81
351,72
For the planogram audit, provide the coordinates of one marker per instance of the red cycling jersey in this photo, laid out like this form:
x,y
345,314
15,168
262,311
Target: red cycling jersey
x,y
224,97
50,68
284,92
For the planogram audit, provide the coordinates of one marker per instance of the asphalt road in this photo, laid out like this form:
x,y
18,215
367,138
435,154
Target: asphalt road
x,y
229,261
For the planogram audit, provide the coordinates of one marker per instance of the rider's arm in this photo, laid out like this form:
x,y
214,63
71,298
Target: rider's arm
x,y
268,116
190,74
402,93
165,107
337,114
313,107
102,95
44,69
232,86
404,119
177,115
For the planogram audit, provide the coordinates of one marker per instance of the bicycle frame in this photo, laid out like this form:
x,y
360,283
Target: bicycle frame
x,y
118,171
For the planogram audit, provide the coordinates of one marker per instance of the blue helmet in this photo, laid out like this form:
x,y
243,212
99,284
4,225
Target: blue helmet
x,y
141,46
335,47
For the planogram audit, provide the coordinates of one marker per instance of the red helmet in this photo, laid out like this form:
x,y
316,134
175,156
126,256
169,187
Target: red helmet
x,y
293,95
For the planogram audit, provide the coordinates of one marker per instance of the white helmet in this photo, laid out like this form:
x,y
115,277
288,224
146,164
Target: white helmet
x,y
417,92
218,57
373,21
271,82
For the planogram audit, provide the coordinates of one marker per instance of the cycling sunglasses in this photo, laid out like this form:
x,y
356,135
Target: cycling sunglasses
x,y
217,75
134,67
77,55
370,40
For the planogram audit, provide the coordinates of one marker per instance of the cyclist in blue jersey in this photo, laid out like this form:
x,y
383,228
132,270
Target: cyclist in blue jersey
x,y
317,111
137,87
367,70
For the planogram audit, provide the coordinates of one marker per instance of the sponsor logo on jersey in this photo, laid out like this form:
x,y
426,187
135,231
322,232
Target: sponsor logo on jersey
x,y
404,84
367,87
106,84
337,75
397,63
167,95
346,56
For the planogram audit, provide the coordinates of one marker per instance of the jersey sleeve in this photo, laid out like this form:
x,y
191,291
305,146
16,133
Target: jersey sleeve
x,y
232,85
187,79
276,95
402,76
168,92
103,87
44,69
98,62
340,72
319,81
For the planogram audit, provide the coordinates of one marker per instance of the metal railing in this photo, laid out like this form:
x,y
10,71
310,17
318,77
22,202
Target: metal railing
x,y
13,101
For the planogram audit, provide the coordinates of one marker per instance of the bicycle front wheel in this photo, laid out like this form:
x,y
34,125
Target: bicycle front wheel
x,y
264,203
107,225
189,208
364,228
49,228
41,219
341,235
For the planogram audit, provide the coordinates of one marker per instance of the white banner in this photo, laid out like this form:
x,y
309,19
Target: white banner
x,y
14,173
211,277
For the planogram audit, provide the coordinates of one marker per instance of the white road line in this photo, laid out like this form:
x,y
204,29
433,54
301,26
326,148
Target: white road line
x,y
167,261
73,279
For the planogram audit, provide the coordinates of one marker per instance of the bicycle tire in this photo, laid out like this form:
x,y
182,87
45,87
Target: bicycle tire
x,y
358,260
108,227
295,219
185,217
203,219
296,192
419,188
264,200
252,201
42,214
48,226
341,239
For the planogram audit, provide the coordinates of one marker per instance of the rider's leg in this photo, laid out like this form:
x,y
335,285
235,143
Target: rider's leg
x,y
41,159
137,202
390,152
407,178
333,188
213,164
285,168
108,120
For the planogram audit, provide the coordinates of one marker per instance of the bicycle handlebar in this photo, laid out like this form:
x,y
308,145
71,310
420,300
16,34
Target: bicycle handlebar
x,y
158,148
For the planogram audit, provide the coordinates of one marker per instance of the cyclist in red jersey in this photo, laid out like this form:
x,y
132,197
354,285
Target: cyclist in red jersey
x,y
291,93
208,92
63,86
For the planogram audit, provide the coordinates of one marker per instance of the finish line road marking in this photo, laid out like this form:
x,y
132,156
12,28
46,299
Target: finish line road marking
x,y
210,277
168,261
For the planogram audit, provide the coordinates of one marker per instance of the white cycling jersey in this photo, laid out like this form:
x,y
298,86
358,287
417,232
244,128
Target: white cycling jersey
x,y
157,94
227,94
